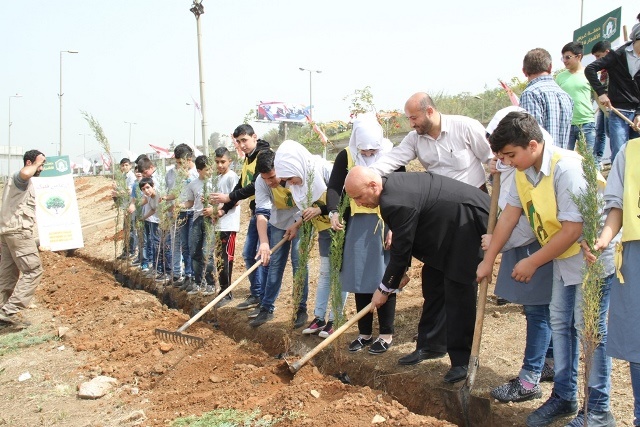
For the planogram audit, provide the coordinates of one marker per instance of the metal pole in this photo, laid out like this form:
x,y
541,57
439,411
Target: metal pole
x,y
194,123
60,97
130,123
9,140
581,11
197,9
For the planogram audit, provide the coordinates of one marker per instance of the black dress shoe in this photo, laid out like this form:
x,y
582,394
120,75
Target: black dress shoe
x,y
455,374
419,355
359,343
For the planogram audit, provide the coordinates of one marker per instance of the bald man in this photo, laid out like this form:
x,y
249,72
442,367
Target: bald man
x,y
453,146
438,221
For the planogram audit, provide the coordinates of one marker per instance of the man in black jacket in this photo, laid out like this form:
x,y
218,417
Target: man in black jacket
x,y
623,67
438,221
245,189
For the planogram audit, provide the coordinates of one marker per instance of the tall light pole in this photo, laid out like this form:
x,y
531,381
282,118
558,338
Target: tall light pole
x,y
60,97
482,116
130,123
197,9
194,123
9,140
84,145
310,90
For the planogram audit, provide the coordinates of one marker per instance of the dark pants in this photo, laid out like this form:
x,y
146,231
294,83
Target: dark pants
x,y
386,315
225,250
448,316
201,251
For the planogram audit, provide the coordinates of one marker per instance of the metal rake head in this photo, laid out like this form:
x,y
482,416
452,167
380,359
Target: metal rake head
x,y
179,338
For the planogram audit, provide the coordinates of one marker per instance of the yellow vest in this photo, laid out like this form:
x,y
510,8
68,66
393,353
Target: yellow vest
x,y
282,198
354,207
631,193
247,173
539,204
321,222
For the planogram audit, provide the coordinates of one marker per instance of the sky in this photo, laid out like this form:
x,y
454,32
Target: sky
x,y
137,60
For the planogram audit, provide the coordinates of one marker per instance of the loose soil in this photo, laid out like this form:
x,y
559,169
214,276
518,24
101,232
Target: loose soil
x,y
111,332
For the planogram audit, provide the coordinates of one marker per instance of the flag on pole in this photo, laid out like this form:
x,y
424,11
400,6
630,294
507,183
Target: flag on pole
x,y
317,130
512,96
163,153
197,106
106,161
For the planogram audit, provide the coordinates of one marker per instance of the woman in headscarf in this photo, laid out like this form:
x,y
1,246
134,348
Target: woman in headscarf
x,y
306,176
364,266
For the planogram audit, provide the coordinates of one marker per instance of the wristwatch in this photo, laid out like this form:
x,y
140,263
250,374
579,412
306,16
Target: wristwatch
x,y
332,213
383,292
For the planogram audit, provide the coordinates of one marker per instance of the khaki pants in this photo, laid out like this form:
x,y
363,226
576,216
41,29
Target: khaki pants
x,y
19,255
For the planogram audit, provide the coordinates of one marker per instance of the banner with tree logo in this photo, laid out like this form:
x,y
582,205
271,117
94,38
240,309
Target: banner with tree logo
x,y
57,213
607,27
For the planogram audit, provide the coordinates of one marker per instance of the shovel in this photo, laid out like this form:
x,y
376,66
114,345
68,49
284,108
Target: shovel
x,y
476,411
295,367
180,338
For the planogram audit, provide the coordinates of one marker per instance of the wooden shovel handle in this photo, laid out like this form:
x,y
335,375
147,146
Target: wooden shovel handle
x,y
625,118
229,289
295,367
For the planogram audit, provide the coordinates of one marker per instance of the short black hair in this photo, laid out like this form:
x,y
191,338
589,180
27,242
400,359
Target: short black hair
x,y
183,151
574,47
145,164
264,162
31,155
201,162
223,152
125,161
140,157
243,129
601,46
518,129
145,181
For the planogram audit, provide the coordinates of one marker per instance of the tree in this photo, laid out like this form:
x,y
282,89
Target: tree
x,y
55,203
214,141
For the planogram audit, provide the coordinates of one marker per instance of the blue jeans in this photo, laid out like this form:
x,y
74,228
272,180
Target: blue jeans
x,y
537,342
566,322
133,234
600,375
620,132
602,131
277,264
180,246
589,131
634,369
324,279
201,253
257,278
158,252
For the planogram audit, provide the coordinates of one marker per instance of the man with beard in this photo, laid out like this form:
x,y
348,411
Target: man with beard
x,y
20,266
453,146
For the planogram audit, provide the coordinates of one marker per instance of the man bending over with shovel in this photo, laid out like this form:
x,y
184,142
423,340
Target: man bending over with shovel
x,y
439,221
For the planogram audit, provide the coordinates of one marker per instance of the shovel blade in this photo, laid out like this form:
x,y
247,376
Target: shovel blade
x,y
467,410
179,338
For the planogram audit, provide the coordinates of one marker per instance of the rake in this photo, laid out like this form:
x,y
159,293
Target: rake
x,y
179,338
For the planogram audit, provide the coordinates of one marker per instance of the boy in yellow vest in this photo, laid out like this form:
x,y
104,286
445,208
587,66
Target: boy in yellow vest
x,y
547,176
249,143
277,215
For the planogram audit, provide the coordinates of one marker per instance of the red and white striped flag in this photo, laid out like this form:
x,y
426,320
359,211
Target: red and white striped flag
x,y
106,161
317,130
512,96
163,153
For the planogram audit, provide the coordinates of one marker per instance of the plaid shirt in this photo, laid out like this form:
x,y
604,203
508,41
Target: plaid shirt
x,y
550,106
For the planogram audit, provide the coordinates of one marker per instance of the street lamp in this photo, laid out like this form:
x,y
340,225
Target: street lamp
x,y
130,123
9,140
310,90
60,96
194,123
482,114
197,9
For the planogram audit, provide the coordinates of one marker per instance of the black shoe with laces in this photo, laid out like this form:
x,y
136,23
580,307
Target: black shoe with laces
x,y
301,319
554,408
359,343
263,317
379,346
513,391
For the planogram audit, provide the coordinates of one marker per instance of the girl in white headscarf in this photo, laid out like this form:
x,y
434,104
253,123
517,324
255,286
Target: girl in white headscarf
x,y
307,176
365,258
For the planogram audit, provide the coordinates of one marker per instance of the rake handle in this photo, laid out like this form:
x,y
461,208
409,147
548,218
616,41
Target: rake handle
x,y
625,118
229,289
295,367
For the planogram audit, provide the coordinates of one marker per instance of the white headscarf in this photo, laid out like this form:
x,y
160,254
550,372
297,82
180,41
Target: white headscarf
x,y
293,160
367,135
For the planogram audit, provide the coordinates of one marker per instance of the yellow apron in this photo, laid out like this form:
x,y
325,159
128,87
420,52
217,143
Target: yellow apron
x,y
630,201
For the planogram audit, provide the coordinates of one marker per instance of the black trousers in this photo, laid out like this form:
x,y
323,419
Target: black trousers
x,y
386,315
448,316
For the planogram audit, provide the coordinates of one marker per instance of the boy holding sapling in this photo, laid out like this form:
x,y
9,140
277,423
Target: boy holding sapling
x,y
546,180
151,235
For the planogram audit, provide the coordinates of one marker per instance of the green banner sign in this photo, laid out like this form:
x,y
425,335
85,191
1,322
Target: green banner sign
x,y
607,27
56,166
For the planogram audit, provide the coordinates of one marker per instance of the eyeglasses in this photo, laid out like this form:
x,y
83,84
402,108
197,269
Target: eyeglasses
x,y
568,57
